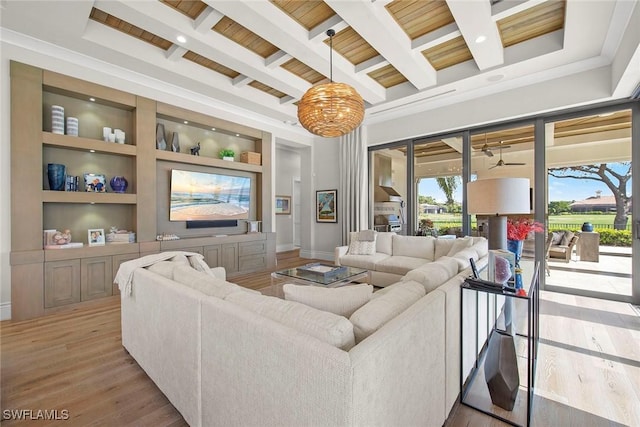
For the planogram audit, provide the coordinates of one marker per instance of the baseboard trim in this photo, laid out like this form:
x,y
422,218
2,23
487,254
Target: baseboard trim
x,y
5,311
327,256
285,248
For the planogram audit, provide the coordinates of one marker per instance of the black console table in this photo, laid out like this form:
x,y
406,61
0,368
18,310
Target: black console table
x,y
483,316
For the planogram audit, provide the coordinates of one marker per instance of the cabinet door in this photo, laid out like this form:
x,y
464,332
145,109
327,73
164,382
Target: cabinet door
x,y
95,281
229,257
212,255
116,260
61,283
252,248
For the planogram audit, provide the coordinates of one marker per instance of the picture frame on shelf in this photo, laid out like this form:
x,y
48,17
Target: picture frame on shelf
x,y
95,183
95,236
327,206
283,205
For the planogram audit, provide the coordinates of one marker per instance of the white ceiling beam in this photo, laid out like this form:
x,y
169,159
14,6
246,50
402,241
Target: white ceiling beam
x,y
374,23
474,20
277,59
291,37
319,32
436,37
503,9
455,143
371,64
175,52
163,21
207,20
285,100
240,80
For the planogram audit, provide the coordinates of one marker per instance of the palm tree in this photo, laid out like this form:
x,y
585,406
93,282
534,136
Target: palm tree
x,y
448,185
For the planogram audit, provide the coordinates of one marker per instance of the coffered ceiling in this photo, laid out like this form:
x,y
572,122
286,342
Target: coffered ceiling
x,y
262,55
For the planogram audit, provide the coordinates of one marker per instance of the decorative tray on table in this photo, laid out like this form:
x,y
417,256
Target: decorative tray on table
x,y
322,270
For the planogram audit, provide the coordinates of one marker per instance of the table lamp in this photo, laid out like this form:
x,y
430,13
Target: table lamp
x,y
497,198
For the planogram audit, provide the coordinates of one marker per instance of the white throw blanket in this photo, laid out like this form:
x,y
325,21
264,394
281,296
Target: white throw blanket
x,y
124,277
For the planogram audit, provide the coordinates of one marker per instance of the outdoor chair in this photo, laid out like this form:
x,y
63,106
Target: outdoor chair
x,y
562,244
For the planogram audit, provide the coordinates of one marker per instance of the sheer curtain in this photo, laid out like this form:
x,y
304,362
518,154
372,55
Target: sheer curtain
x,y
354,186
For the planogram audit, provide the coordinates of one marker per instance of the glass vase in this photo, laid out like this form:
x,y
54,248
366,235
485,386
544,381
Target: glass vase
x,y
515,247
56,174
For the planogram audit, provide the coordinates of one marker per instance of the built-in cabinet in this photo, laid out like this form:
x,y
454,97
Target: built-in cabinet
x,y
44,279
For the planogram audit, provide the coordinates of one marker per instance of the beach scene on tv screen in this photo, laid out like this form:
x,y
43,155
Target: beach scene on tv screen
x,y
199,196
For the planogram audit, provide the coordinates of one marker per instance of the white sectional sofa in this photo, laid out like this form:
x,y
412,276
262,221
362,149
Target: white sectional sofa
x,y
227,356
394,257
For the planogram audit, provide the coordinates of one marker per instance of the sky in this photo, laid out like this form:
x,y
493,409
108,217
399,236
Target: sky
x,y
560,189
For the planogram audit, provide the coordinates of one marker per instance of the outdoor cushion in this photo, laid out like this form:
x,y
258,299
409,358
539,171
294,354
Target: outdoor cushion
x,y
342,301
566,238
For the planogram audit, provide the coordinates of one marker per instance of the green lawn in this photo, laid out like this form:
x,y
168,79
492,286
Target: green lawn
x,y
555,221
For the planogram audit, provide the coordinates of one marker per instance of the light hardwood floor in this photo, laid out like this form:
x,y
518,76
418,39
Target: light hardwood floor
x,y
588,366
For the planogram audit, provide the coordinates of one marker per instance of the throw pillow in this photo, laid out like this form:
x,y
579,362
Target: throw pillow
x,y
380,310
557,238
342,301
361,247
328,327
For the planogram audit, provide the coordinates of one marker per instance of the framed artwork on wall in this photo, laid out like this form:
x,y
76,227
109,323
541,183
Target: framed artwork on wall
x,y
327,206
283,205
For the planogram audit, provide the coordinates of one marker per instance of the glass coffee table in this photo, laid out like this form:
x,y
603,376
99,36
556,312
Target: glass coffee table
x,y
303,276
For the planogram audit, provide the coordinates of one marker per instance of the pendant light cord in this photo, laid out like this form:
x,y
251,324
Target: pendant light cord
x,y
331,33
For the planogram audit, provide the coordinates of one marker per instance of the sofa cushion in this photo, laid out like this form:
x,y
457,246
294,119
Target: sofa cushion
x,y
368,262
397,264
342,301
433,274
414,246
206,283
384,243
328,327
380,310
449,247
387,289
361,247
163,268
481,246
463,257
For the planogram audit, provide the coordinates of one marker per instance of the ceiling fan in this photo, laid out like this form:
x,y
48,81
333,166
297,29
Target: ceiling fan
x,y
487,150
502,162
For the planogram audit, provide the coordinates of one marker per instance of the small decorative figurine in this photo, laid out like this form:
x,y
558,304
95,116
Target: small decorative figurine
x,y
195,150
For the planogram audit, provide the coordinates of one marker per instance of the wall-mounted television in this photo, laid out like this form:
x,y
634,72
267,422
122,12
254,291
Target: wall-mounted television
x,y
203,196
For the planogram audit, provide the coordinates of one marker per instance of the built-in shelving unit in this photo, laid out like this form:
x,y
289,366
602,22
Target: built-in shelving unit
x,y
47,279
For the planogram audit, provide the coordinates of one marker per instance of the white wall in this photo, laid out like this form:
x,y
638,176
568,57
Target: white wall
x,y
287,167
5,196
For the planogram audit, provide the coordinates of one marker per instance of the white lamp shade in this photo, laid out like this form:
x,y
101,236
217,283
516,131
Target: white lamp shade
x,y
498,196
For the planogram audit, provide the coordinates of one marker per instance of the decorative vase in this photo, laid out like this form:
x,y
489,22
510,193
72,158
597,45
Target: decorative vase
x,y
228,158
501,370
515,246
161,143
119,184
56,173
587,226
175,143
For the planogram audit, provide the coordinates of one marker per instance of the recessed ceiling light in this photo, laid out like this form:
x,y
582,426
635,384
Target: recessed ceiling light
x,y
213,128
181,38
92,99
237,134
92,151
186,122
481,39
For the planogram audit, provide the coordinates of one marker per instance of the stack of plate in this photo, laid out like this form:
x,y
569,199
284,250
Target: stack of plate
x,y
72,126
57,119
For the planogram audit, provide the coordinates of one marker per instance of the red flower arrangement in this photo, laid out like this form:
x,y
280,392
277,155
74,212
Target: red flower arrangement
x,y
518,229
